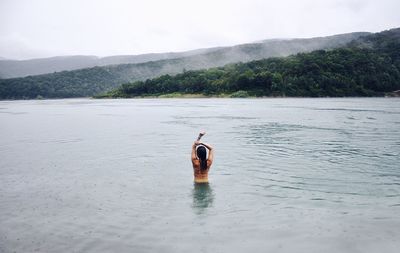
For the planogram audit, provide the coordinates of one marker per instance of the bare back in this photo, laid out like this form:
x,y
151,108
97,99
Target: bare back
x,y
200,176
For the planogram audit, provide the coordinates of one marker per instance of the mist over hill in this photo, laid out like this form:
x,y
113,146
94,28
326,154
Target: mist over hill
x,y
200,58
368,66
21,68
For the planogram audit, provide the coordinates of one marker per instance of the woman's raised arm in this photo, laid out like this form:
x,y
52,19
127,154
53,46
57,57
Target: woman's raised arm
x,y
194,156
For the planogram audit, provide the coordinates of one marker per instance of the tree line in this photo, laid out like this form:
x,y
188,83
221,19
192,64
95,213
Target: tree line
x,y
351,71
65,84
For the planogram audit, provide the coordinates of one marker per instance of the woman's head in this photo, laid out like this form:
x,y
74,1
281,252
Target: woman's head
x,y
202,155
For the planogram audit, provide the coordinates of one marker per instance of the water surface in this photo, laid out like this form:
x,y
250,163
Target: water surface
x,y
290,175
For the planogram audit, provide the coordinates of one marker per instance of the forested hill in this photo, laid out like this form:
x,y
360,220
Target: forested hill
x,y
368,66
91,81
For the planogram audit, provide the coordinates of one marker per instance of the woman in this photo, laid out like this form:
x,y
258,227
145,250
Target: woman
x,y
201,164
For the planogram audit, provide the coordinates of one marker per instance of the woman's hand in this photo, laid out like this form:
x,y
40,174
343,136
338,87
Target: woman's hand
x,y
200,135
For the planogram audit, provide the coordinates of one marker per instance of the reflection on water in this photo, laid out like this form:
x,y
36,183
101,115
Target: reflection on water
x,y
203,197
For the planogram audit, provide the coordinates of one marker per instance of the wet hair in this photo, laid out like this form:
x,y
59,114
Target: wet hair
x,y
202,155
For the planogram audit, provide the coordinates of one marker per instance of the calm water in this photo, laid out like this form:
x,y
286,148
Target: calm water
x,y
290,175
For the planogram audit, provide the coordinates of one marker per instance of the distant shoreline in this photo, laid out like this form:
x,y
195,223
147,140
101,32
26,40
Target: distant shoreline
x,y
394,94
231,95
184,97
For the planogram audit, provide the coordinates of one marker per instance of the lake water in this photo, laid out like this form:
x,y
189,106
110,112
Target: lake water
x,y
290,175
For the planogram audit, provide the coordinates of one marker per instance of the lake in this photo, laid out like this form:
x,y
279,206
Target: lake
x,y
289,175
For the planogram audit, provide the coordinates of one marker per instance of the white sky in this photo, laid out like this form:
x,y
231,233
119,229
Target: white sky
x,y
44,28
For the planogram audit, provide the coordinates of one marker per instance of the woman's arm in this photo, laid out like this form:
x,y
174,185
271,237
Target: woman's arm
x,y
194,157
211,156
206,145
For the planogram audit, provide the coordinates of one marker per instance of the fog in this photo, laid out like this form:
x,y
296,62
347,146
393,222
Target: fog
x,y
45,28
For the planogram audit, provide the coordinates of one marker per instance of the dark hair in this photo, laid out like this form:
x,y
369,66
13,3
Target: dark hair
x,y
202,155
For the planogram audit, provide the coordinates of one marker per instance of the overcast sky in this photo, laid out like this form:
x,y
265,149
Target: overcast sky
x,y
44,28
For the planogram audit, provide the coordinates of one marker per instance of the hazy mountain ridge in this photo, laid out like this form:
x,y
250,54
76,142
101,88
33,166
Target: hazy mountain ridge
x,y
244,52
21,68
